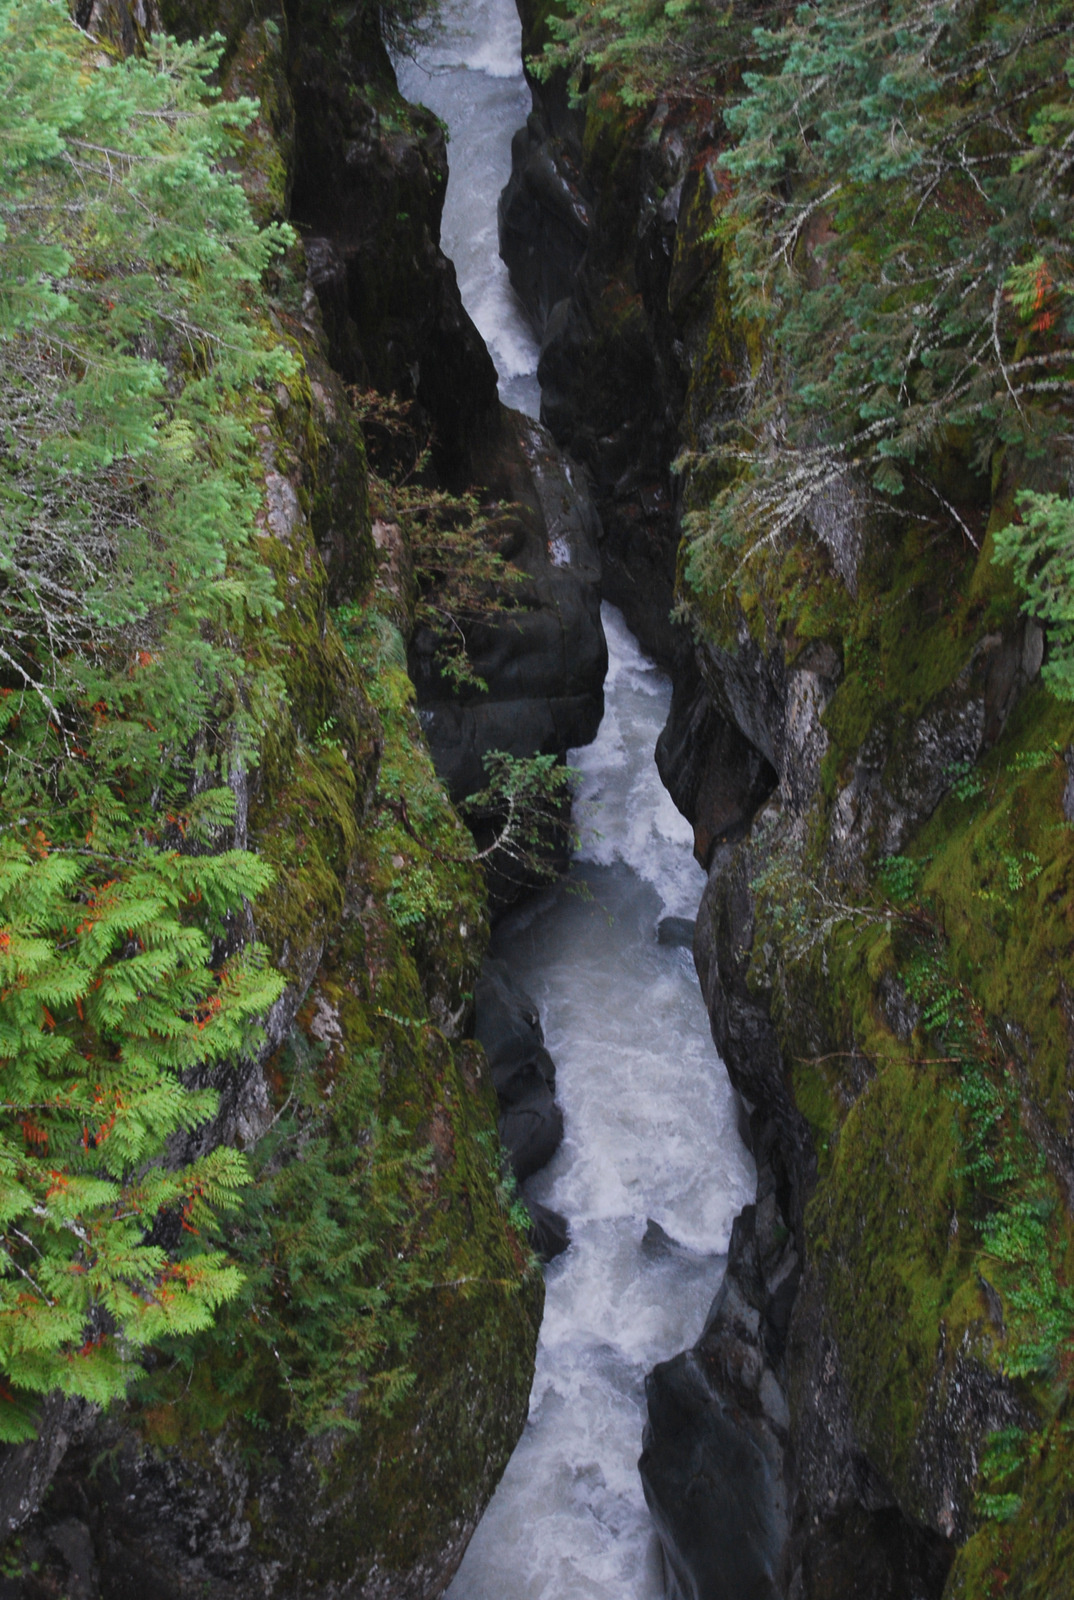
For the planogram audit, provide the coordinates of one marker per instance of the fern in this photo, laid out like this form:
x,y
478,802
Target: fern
x,y
1040,547
108,995
130,346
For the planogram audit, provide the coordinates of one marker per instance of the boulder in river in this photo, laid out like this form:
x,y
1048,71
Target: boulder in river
x,y
549,1232
523,1073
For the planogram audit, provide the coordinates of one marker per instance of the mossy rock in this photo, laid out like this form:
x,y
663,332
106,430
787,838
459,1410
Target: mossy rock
x,y
379,1495
1028,1551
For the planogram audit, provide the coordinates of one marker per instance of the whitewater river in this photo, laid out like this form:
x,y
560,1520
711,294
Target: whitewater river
x,y
472,78
650,1117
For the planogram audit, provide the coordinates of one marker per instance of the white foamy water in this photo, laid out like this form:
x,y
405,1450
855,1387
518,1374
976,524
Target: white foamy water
x,y
471,76
624,810
651,1133
651,1124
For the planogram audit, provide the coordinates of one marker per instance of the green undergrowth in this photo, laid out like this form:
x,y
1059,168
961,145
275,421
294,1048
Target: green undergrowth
x,y
997,861
1028,1548
383,1258
374,1193
380,1239
421,854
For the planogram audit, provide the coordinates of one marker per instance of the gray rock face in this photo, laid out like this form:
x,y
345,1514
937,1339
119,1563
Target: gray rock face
x,y
714,775
523,1073
26,1470
775,709
544,219
966,1404
524,1077
544,659
742,1028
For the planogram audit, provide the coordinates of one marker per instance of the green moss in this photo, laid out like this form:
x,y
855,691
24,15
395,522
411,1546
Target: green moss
x,y
1001,864
256,69
815,1097
419,859
338,776
883,1228
1030,1554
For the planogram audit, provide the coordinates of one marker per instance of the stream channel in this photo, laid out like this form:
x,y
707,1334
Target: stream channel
x,y
651,1172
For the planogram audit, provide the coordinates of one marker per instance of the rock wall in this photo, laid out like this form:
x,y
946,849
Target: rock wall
x,y
585,237
542,661
369,184
859,1357
268,1457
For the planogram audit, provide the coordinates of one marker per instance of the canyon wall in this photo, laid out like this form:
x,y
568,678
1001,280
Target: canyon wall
x,y
341,1427
879,787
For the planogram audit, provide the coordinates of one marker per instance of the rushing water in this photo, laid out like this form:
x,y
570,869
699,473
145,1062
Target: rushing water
x,y
650,1134
472,78
650,1117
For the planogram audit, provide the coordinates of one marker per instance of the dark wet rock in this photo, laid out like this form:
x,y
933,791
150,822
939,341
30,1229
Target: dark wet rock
x,y
368,190
508,1023
857,1542
713,1481
658,1244
52,1560
544,220
715,776
549,1233
523,1073
966,1404
716,1467
676,931
591,253
597,401
531,1130
544,659
871,1555
777,709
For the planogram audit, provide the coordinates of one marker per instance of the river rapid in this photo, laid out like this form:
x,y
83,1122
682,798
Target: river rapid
x,y
652,1171
471,76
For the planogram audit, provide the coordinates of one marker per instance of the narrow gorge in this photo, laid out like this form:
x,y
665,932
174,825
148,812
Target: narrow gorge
x,y
406,1201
